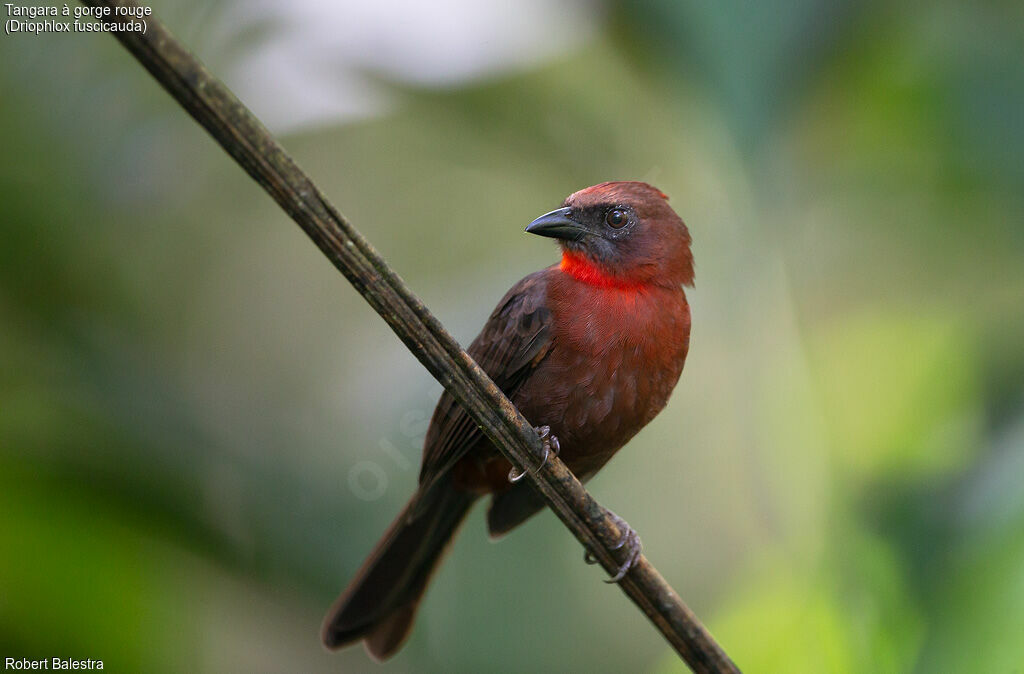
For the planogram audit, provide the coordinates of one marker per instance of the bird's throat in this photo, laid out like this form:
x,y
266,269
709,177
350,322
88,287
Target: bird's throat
x,y
585,271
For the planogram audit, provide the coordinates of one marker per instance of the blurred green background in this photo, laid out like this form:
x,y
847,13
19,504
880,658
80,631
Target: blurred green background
x,y
203,429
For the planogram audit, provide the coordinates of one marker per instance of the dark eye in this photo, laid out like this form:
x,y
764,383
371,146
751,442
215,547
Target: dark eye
x,y
616,218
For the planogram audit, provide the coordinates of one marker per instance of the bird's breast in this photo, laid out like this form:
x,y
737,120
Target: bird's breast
x,y
616,356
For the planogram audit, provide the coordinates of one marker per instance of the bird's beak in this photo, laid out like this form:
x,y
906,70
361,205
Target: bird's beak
x,y
558,225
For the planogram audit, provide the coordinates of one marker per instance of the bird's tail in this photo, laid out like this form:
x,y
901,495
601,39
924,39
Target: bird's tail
x,y
380,603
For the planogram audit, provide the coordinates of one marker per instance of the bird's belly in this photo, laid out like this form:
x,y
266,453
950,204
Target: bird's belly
x,y
598,403
593,406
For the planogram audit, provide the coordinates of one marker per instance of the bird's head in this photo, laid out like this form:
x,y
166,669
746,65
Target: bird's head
x,y
620,233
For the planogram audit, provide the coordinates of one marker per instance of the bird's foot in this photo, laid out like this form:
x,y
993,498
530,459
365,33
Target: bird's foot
x,y
551,448
628,539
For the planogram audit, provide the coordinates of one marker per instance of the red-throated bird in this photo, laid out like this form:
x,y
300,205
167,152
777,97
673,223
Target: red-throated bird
x,y
588,349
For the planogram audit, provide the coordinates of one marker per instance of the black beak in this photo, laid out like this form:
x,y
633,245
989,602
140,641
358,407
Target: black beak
x,y
558,225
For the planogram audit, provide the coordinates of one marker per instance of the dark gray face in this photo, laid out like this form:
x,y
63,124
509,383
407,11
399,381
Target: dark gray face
x,y
597,230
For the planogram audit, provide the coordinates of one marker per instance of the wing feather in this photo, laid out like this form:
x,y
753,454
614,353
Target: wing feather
x,y
515,339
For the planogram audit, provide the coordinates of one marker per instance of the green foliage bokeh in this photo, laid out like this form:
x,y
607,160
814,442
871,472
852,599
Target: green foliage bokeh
x,y
203,429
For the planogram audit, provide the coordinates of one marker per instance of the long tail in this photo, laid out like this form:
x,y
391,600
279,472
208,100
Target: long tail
x,y
380,603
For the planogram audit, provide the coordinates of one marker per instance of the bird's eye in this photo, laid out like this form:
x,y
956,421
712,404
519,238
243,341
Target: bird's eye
x,y
616,218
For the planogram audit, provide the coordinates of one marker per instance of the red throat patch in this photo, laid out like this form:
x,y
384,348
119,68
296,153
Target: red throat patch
x,y
582,269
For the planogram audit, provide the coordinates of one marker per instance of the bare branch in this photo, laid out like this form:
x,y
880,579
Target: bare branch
x,y
238,131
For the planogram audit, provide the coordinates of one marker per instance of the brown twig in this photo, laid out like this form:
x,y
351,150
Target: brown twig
x,y
238,131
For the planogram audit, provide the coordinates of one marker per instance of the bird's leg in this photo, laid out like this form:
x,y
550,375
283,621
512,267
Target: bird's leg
x,y
551,447
629,539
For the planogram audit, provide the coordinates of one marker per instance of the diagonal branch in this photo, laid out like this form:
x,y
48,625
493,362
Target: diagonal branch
x,y
238,131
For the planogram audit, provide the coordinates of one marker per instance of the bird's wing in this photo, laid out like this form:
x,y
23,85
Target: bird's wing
x,y
515,339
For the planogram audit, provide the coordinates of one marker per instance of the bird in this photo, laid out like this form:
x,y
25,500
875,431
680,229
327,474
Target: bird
x,y
589,350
